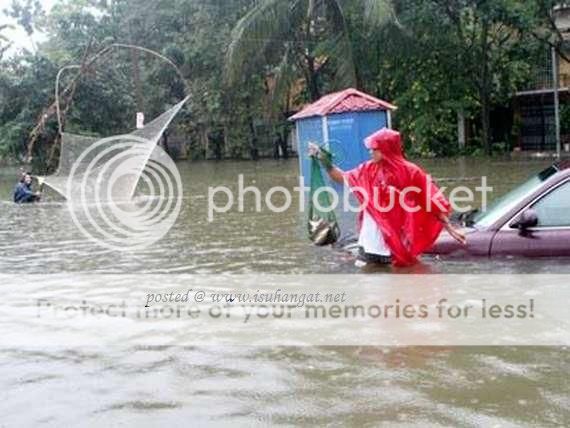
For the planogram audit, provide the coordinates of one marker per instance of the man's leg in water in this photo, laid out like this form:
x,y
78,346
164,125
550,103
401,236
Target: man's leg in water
x,y
372,258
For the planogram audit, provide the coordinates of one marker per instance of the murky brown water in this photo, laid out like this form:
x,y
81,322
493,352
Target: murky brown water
x,y
246,385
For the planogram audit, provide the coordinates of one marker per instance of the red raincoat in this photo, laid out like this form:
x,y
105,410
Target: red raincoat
x,y
400,197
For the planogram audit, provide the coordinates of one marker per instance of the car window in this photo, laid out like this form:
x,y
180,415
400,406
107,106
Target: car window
x,y
502,205
554,208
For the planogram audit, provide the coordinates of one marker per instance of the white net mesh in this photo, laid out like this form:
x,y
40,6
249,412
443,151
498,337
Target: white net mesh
x,y
89,164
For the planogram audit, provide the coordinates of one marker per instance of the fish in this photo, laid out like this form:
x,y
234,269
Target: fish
x,y
321,232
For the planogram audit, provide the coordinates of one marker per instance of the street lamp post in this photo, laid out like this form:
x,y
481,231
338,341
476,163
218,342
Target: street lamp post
x,y
561,18
555,83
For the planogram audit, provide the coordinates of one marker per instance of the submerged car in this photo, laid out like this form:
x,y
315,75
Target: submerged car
x,y
532,220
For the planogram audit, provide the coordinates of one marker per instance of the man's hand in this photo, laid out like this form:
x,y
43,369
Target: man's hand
x,y
452,230
326,161
456,233
314,150
322,155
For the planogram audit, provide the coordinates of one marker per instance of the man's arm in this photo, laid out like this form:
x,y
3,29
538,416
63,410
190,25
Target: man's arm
x,y
335,173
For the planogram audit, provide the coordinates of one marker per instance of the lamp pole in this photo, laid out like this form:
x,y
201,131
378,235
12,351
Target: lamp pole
x,y
560,14
555,84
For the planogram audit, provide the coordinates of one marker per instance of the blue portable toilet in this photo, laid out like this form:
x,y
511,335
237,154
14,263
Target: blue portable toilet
x,y
340,122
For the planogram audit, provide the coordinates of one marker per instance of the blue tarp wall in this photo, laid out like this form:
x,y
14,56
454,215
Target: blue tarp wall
x,y
346,134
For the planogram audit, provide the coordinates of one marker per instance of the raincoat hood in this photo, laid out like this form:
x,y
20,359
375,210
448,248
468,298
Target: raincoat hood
x,y
388,141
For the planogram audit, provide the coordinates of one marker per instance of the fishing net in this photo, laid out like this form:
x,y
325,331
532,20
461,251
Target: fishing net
x,y
93,168
118,160
323,226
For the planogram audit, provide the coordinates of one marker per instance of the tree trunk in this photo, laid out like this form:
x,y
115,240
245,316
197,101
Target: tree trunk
x,y
284,149
313,79
205,141
253,150
461,129
486,122
136,70
484,90
226,140
137,80
276,145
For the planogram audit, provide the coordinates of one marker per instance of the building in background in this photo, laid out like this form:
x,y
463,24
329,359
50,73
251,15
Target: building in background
x,y
542,108
534,107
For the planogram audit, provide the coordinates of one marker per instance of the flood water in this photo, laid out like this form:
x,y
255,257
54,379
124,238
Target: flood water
x,y
354,386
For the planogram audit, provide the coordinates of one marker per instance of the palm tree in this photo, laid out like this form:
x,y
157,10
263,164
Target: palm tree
x,y
299,38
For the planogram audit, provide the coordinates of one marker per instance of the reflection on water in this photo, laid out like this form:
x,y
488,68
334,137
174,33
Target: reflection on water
x,y
244,385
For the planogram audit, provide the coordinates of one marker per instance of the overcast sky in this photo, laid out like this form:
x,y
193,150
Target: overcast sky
x,y
17,35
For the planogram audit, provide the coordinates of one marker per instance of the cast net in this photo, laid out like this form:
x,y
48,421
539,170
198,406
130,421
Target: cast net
x,y
95,168
92,168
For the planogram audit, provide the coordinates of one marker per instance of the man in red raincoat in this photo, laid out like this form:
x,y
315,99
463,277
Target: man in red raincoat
x,y
403,211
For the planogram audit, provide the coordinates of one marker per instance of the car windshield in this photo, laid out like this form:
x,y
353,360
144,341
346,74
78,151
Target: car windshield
x,y
506,202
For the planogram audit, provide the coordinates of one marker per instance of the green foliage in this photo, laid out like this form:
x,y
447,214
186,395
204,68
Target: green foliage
x,y
448,57
565,119
432,58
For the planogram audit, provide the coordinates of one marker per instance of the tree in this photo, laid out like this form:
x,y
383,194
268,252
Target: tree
x,y
438,58
299,38
453,57
491,36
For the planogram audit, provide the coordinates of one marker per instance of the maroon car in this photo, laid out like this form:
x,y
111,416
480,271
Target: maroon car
x,y
532,220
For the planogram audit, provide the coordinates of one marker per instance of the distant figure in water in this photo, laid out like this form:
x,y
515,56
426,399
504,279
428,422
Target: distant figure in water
x,y
23,192
403,210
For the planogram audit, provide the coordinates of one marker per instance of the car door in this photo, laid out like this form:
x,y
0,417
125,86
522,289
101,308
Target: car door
x,y
550,237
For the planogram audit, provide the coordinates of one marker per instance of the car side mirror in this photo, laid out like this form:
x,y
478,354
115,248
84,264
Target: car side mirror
x,y
527,219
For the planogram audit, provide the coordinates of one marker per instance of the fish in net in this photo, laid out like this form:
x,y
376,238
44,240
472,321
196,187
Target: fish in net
x,y
322,224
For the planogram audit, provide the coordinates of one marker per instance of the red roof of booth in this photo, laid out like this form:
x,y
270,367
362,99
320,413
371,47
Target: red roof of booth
x,y
342,102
